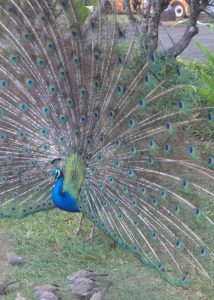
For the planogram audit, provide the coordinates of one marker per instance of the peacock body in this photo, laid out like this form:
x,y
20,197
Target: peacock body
x,y
79,102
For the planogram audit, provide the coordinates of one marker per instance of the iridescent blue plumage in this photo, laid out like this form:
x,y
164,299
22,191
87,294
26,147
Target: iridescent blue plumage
x,y
63,200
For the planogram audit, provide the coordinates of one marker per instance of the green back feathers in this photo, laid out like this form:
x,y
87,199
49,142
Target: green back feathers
x,y
74,175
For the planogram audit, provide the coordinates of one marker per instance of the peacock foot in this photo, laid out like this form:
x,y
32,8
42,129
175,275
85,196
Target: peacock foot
x,y
89,239
77,232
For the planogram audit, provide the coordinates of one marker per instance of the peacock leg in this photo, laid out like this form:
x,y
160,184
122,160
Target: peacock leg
x,y
91,236
78,230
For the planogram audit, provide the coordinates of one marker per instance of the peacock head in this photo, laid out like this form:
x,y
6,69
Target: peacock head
x,y
57,173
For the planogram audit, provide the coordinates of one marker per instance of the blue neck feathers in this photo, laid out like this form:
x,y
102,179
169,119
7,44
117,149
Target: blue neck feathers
x,y
63,200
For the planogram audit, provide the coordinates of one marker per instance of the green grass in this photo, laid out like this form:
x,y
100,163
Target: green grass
x,y
52,253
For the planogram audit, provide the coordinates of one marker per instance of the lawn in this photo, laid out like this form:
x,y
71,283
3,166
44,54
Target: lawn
x,y
52,253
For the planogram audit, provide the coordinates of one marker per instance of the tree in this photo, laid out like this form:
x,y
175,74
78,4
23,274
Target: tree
x,y
151,22
196,7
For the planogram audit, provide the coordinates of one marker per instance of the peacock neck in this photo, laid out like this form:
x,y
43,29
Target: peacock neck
x,y
63,200
67,187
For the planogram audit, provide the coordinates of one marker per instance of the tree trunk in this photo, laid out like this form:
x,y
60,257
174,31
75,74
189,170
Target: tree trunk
x,y
190,31
150,27
153,27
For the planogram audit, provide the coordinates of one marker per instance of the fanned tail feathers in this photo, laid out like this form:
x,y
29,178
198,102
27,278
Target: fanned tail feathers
x,y
70,84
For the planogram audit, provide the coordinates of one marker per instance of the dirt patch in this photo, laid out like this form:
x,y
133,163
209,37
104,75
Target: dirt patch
x,y
4,267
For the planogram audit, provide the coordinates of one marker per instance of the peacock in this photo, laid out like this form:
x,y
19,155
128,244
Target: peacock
x,y
89,125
